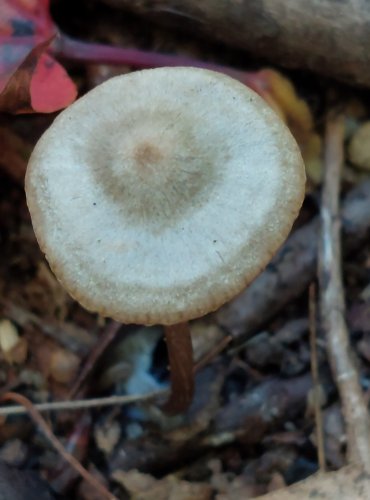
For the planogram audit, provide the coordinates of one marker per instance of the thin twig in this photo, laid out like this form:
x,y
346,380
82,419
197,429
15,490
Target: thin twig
x,y
84,403
332,301
315,378
219,347
77,50
39,420
103,341
112,400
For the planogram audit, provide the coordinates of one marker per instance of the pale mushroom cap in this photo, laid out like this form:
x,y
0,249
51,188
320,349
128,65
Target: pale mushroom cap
x,y
161,194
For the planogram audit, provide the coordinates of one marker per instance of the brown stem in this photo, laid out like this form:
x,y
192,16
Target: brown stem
x,y
180,354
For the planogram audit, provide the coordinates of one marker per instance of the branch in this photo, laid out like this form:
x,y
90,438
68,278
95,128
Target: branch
x,y
332,301
327,37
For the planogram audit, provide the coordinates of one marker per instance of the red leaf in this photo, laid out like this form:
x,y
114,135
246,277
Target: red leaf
x,y
39,84
51,88
30,79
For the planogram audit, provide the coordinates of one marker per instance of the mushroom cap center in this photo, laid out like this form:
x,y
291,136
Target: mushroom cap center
x,y
147,156
156,168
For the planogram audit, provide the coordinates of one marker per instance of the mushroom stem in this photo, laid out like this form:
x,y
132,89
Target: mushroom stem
x,y
180,354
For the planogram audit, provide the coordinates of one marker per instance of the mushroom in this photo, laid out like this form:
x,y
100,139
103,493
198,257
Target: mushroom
x,y
160,194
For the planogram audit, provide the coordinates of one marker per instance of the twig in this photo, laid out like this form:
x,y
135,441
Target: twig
x,y
332,301
111,400
219,347
39,420
84,403
77,50
102,342
315,378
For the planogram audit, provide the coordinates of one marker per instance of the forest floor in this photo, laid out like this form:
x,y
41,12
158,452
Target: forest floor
x,y
269,407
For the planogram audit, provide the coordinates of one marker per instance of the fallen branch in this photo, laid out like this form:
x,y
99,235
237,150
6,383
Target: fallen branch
x,y
332,302
278,284
330,38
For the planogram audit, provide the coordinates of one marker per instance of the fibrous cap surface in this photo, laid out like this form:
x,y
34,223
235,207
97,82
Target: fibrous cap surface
x,y
161,194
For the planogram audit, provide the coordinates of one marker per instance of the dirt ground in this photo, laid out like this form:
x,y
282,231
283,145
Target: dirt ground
x,y
261,418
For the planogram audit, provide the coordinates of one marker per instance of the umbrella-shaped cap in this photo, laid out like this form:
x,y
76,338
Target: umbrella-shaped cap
x,y
161,194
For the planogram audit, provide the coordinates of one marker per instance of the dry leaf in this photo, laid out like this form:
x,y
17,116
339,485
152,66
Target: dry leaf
x,y
107,436
145,487
349,483
13,347
9,337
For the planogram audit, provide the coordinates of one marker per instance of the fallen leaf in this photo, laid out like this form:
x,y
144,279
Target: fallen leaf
x,y
349,483
9,337
107,436
145,487
30,79
63,365
14,348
